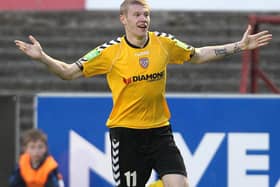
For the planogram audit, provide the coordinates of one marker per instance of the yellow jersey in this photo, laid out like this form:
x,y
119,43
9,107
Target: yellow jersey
x,y
137,77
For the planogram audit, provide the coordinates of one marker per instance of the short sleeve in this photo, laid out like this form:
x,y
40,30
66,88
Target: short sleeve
x,y
94,63
99,60
180,52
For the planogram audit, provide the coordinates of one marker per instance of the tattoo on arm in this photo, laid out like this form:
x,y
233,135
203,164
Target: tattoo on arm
x,y
236,49
221,52
224,52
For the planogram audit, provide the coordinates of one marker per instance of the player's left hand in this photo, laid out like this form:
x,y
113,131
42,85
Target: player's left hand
x,y
252,41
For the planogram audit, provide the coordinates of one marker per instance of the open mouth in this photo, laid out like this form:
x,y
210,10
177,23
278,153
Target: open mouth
x,y
142,25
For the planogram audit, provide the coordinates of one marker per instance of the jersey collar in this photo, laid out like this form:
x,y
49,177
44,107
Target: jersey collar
x,y
134,46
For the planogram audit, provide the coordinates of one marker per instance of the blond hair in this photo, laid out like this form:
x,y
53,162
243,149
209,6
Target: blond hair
x,y
126,3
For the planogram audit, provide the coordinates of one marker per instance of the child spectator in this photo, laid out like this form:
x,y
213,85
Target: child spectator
x,y
36,167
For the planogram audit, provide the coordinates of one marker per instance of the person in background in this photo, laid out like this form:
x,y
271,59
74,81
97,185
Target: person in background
x,y
36,167
136,68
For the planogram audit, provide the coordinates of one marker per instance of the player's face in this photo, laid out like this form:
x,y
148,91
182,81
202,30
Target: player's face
x,y
37,150
136,21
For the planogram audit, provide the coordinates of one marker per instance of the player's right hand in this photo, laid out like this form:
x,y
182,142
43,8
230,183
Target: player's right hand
x,y
33,49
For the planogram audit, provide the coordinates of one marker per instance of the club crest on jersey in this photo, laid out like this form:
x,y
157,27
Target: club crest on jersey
x,y
144,62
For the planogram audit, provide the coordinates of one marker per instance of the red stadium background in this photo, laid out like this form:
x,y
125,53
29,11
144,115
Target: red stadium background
x,y
42,5
189,5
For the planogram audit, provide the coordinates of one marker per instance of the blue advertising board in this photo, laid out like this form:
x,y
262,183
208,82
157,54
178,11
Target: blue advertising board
x,y
225,140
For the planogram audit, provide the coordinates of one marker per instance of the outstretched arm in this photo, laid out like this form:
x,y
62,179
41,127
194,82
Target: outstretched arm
x,y
248,42
34,50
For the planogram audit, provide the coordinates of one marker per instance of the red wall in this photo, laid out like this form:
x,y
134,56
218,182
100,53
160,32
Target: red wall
x,y
42,4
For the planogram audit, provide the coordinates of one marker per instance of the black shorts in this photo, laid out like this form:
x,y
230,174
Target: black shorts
x,y
136,152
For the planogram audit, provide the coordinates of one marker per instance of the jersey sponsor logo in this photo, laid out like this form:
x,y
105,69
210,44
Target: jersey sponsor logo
x,y
146,77
144,62
127,81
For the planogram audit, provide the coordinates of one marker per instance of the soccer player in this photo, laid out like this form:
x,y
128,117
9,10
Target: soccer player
x,y
36,167
135,66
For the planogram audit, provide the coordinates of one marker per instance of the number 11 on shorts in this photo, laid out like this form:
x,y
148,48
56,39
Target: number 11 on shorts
x,y
131,178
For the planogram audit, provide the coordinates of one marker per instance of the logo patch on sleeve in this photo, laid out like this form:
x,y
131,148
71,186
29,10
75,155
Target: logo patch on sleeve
x,y
92,54
183,45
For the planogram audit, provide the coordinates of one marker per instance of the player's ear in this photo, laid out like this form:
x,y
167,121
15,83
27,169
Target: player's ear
x,y
123,19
